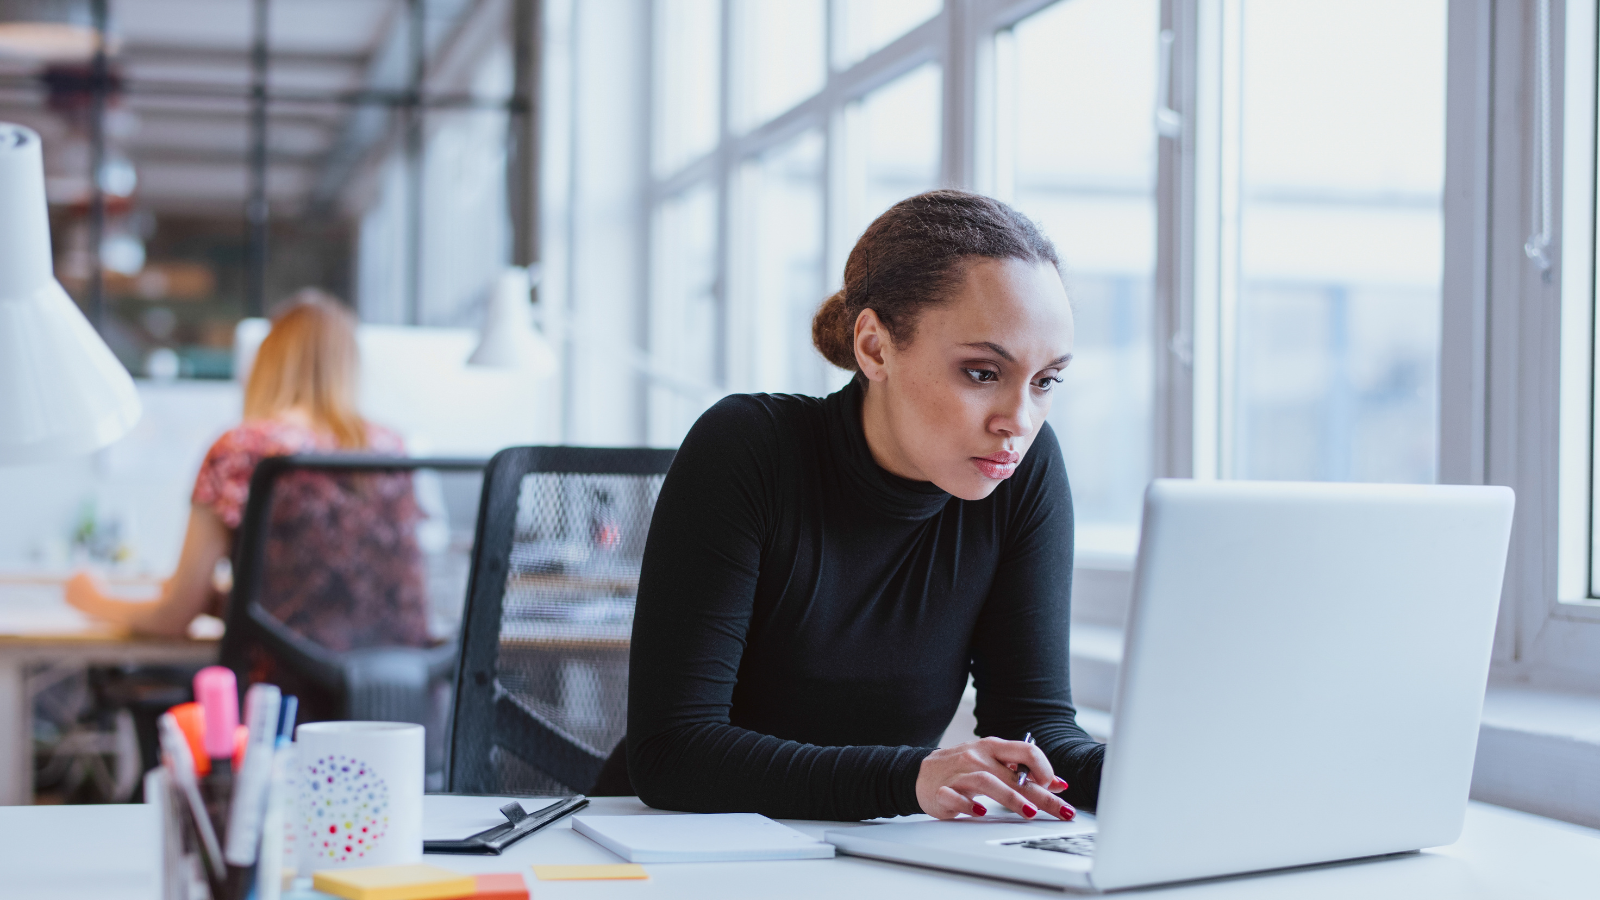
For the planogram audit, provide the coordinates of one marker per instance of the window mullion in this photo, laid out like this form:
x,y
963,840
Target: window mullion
x,y
727,365
1215,250
1574,497
834,247
1172,320
958,57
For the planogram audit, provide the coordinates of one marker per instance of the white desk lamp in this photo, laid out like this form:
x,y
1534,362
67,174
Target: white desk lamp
x,y
62,392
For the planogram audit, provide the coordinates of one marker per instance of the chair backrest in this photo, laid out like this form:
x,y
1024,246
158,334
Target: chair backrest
x,y
542,695
349,580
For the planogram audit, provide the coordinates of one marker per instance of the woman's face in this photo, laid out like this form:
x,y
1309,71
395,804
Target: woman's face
x,y
961,402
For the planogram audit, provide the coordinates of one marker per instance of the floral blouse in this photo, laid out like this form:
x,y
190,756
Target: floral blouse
x,y
341,564
223,485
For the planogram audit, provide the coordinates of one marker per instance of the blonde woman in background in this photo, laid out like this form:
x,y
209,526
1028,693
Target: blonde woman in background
x,y
300,398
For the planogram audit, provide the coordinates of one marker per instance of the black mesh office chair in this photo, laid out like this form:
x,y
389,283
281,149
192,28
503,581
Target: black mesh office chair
x,y
349,578
542,696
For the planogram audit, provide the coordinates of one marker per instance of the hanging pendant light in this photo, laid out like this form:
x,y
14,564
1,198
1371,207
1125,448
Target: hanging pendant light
x,y
508,339
62,391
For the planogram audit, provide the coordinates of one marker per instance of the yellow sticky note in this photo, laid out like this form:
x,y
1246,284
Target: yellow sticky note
x,y
615,871
395,883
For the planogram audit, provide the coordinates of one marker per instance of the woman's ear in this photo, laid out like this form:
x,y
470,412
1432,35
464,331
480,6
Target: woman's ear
x,y
871,342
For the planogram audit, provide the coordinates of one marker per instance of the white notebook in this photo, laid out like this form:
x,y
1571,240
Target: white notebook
x,y
715,837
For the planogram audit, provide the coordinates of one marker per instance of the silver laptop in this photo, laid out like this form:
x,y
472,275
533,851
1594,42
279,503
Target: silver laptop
x,y
1301,682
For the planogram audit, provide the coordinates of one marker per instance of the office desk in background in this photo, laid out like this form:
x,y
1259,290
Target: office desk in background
x,y
113,853
40,637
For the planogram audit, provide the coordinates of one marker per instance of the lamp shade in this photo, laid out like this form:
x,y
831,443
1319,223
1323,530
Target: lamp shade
x,y
62,391
509,340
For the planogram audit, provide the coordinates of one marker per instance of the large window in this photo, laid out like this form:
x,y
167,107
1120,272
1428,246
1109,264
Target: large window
x,y
1285,260
1335,316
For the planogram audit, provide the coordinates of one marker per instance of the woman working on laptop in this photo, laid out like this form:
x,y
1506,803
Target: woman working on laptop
x,y
822,573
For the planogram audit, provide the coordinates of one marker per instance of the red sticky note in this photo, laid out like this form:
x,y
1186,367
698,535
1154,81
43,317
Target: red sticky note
x,y
507,886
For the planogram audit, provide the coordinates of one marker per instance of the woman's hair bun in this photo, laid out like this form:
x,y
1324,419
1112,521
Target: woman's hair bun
x,y
833,333
913,256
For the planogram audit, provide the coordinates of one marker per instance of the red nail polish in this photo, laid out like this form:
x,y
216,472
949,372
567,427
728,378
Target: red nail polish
x,y
1068,813
1058,786
978,810
1029,810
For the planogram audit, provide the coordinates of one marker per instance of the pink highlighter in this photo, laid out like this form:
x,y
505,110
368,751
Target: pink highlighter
x,y
217,691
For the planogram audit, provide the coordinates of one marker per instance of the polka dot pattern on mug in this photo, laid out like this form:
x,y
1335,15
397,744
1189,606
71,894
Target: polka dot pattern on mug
x,y
347,812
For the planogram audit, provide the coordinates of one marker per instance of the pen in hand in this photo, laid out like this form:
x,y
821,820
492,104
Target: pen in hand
x,y
1022,770
1065,813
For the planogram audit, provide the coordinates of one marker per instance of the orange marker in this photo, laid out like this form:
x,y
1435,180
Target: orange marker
x,y
192,720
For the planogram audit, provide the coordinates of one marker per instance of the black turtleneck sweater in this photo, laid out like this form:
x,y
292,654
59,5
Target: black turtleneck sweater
x,y
806,620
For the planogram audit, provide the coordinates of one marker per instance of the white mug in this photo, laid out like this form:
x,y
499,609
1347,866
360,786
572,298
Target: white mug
x,y
360,794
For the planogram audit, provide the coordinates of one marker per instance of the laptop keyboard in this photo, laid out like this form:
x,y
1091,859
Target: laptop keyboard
x,y
1076,844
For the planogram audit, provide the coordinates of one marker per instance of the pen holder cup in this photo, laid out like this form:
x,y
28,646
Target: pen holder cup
x,y
360,794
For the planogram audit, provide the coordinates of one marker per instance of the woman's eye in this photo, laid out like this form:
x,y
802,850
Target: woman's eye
x,y
1047,382
982,376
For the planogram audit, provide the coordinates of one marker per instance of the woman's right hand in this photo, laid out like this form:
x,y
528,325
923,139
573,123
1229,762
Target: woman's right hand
x,y
951,780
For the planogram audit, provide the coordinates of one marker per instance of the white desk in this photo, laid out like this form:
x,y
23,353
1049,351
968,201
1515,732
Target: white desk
x,y
39,629
109,853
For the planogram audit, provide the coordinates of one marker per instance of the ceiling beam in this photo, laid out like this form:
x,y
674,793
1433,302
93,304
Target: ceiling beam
x,y
236,56
153,115
211,156
146,106
157,116
201,91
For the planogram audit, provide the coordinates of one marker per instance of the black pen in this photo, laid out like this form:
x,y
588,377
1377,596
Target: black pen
x,y
1022,770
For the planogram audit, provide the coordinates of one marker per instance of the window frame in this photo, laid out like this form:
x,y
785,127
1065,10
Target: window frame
x,y
1501,416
